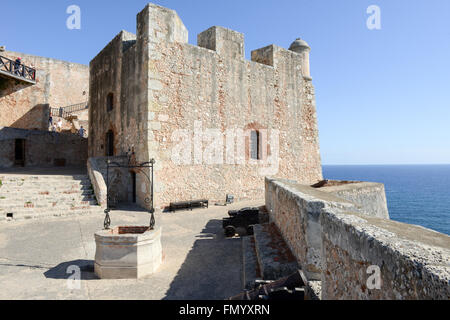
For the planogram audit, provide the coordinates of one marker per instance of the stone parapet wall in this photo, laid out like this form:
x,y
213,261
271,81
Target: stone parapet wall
x,y
369,197
414,262
344,248
296,210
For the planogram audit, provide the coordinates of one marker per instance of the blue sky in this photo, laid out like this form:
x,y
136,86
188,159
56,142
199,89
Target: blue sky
x,y
383,96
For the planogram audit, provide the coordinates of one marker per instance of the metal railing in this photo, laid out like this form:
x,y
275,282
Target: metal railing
x,y
17,69
64,112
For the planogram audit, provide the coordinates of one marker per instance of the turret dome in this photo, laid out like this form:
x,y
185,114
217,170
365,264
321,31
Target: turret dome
x,y
299,45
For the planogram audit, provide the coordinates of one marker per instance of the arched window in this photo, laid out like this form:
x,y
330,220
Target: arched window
x,y
110,102
110,143
255,149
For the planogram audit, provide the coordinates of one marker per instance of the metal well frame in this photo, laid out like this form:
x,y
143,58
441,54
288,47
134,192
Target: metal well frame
x,y
131,165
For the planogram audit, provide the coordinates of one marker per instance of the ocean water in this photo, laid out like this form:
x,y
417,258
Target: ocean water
x,y
416,194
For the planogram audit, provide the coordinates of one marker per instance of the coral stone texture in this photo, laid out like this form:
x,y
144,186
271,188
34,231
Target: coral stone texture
x,y
197,110
58,84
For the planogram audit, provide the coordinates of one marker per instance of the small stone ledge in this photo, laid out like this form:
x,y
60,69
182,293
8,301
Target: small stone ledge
x,y
97,180
274,256
250,271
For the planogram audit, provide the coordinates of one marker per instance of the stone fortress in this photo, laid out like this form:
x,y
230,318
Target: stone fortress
x,y
217,125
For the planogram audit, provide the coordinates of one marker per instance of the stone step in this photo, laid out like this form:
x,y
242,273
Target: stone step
x,y
52,190
41,184
275,259
39,214
63,205
250,266
43,178
23,209
13,198
43,210
40,196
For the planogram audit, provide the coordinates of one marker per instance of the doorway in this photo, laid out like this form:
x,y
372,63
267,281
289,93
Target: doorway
x,y
19,152
133,184
110,143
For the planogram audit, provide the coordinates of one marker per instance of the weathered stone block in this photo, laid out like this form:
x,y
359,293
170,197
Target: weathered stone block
x,y
226,42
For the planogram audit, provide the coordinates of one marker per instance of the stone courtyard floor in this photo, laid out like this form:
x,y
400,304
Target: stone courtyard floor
x,y
199,263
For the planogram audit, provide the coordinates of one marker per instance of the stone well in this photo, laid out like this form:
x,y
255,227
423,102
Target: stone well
x,y
127,252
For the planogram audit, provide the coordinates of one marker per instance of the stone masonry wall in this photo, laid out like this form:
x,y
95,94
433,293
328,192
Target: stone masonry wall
x,y
58,84
193,107
42,148
413,262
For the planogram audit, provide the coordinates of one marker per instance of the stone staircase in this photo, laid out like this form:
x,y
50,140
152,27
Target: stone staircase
x,y
72,117
38,196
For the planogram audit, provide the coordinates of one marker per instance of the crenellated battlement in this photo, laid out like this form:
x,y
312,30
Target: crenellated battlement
x,y
158,24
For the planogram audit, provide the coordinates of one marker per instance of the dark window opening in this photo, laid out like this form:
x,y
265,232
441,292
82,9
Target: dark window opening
x,y
133,183
255,138
19,152
110,102
110,143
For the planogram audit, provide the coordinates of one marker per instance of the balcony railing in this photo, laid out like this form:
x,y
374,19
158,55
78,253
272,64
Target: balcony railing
x,y
8,66
64,112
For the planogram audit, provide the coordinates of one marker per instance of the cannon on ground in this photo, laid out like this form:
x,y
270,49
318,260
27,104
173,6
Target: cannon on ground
x,y
288,288
244,218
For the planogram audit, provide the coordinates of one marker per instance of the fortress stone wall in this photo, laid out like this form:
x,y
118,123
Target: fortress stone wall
x,y
58,84
196,109
42,148
348,252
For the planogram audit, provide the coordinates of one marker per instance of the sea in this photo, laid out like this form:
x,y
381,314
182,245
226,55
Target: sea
x,y
416,194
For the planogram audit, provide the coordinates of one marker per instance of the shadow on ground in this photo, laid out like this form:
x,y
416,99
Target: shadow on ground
x,y
130,207
65,270
212,269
